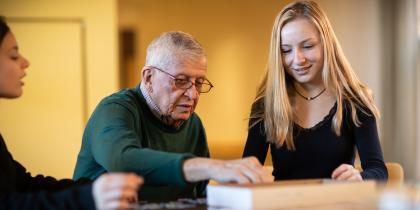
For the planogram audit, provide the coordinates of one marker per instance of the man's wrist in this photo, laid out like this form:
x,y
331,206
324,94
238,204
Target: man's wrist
x,y
198,169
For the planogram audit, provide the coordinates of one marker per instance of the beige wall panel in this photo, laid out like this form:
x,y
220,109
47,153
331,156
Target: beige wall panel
x,y
236,35
99,17
51,113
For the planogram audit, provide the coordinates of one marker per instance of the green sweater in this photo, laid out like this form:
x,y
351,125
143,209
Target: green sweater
x,y
123,135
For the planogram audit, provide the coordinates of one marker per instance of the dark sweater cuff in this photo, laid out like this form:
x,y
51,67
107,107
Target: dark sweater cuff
x,y
85,195
374,175
180,168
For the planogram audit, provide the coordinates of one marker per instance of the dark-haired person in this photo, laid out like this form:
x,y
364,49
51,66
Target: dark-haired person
x,y
20,190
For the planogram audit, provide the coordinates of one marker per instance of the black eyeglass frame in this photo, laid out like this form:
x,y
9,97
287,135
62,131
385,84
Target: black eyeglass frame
x,y
186,84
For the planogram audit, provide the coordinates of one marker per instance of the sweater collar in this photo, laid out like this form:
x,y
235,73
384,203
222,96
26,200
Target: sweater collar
x,y
153,106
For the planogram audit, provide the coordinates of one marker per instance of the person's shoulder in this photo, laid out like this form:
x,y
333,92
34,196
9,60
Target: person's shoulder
x,y
124,97
258,106
194,118
194,121
257,112
363,113
360,108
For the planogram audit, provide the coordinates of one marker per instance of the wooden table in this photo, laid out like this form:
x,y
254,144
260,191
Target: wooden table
x,y
389,196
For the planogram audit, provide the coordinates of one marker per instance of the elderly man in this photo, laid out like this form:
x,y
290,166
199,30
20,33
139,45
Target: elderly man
x,y
152,130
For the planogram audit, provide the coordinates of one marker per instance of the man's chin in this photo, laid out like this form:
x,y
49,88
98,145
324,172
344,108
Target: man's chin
x,y
182,116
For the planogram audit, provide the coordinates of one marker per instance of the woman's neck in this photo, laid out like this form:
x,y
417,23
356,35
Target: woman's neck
x,y
309,89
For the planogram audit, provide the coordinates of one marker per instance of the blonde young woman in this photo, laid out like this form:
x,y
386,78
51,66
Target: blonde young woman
x,y
311,110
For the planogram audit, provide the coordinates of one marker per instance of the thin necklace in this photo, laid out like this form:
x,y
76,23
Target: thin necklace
x,y
309,98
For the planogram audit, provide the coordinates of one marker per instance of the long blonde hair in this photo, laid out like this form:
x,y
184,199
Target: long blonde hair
x,y
337,74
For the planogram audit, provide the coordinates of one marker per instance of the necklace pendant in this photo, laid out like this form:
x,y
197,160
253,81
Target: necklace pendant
x,y
309,98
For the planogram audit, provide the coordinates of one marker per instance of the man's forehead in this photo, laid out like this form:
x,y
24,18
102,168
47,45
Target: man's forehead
x,y
191,68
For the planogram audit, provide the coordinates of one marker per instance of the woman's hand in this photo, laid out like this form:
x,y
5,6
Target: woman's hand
x,y
116,190
346,172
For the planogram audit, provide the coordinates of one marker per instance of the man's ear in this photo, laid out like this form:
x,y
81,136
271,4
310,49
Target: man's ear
x,y
146,75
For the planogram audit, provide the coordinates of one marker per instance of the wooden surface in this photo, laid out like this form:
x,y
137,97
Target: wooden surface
x,y
291,194
386,197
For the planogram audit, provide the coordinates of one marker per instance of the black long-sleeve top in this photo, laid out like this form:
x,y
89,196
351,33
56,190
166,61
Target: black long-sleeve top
x,y
319,151
19,190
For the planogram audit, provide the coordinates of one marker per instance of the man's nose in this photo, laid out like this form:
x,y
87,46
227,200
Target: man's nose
x,y
192,92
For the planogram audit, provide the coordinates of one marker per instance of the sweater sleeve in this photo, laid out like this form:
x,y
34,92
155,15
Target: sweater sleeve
x,y
19,190
256,144
76,197
370,152
42,192
201,186
116,146
40,182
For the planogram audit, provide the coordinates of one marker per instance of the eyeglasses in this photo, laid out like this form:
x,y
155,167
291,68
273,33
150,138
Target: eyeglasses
x,y
201,85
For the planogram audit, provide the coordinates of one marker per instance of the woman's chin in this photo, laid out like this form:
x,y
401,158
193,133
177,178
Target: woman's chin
x,y
11,95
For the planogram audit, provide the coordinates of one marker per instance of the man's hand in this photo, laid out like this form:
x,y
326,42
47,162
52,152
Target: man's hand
x,y
116,190
247,170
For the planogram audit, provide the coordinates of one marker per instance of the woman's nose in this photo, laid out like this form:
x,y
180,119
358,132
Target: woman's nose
x,y
299,57
25,63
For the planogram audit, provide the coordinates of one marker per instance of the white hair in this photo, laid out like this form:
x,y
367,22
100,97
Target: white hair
x,y
172,49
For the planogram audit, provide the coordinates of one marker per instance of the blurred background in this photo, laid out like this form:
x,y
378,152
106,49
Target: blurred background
x,y
83,50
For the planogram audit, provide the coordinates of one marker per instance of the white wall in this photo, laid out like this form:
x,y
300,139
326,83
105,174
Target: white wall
x,y
405,142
